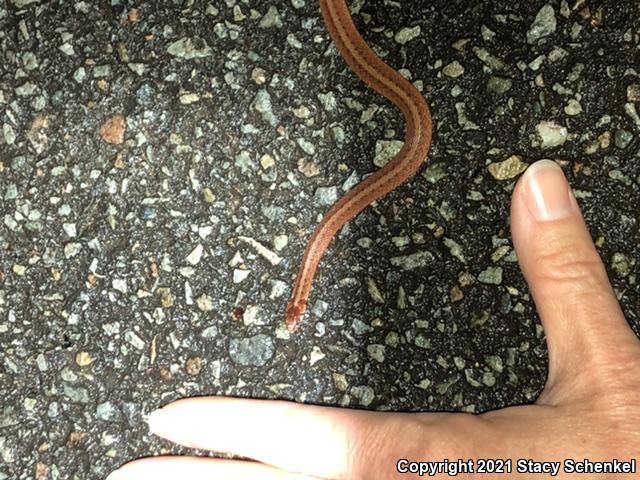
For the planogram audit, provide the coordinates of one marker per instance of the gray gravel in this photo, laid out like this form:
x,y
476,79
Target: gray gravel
x,y
161,168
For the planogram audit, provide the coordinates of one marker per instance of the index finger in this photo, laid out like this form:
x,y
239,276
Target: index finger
x,y
325,442
297,438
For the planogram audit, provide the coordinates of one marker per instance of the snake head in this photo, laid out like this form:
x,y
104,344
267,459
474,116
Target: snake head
x,y
295,311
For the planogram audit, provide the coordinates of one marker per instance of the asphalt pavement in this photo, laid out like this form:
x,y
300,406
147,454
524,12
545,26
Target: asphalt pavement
x,y
162,165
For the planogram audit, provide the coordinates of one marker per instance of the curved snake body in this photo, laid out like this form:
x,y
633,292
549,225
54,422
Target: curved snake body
x,y
389,83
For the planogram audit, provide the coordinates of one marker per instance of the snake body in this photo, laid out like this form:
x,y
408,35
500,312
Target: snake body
x,y
389,83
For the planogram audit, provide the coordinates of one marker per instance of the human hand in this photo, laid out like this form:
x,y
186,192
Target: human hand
x,y
589,408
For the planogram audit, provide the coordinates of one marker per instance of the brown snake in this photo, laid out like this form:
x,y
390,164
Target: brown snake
x,y
389,83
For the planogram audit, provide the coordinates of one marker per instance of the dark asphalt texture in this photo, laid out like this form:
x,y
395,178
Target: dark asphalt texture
x,y
162,165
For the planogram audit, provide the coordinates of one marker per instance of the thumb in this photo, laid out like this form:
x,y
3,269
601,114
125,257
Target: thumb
x,y
585,328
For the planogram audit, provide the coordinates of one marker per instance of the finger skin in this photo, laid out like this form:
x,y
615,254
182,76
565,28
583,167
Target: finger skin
x,y
326,442
199,468
294,437
543,433
584,325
